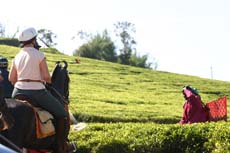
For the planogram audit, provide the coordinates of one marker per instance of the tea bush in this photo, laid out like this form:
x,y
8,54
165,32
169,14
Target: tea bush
x,y
153,138
127,100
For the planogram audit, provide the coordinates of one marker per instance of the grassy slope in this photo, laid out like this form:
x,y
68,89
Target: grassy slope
x,y
107,92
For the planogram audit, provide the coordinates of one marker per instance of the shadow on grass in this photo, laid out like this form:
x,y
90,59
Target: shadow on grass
x,y
101,119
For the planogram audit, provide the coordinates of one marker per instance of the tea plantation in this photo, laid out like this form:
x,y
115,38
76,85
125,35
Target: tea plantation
x,y
135,110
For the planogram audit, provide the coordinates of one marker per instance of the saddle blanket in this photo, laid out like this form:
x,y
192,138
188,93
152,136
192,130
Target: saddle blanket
x,y
43,120
44,124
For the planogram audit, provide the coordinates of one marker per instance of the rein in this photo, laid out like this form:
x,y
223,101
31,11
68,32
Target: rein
x,y
49,87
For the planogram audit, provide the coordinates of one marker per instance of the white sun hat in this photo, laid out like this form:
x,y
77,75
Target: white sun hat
x,y
27,34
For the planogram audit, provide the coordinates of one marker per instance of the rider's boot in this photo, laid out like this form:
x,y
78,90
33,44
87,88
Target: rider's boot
x,y
61,135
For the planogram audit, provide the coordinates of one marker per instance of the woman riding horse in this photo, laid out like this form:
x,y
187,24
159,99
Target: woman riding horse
x,y
28,73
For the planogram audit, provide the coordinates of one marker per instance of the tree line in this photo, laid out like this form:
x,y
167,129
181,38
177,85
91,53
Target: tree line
x,y
102,47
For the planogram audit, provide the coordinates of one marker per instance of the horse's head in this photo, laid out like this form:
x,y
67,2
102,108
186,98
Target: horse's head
x,y
60,79
6,119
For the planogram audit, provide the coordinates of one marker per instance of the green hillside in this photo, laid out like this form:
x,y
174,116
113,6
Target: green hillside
x,y
104,92
107,92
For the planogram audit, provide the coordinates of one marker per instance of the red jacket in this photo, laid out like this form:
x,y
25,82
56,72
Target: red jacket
x,y
194,111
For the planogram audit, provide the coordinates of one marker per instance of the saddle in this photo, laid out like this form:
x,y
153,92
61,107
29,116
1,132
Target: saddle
x,y
43,119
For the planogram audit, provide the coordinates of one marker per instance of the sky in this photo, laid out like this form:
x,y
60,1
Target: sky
x,y
189,37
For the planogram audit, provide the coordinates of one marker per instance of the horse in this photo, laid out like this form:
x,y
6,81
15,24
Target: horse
x,y
23,132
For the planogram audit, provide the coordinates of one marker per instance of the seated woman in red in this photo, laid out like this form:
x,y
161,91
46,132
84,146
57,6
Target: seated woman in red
x,y
194,110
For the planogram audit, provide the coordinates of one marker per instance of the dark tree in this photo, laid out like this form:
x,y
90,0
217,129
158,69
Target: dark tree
x,y
125,30
2,30
98,47
47,37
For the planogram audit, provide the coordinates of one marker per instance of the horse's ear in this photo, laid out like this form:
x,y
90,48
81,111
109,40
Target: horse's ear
x,y
65,64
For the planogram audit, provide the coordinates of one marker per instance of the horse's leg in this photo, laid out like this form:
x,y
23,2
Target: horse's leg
x,y
61,135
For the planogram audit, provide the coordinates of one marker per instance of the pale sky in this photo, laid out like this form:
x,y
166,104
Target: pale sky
x,y
185,36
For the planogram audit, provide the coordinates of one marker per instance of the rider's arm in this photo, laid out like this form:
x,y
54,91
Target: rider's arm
x,y
13,75
44,71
